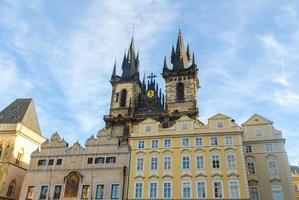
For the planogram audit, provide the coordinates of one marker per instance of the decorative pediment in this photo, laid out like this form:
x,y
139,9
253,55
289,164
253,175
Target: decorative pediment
x,y
55,137
257,119
75,149
148,121
186,175
184,118
219,116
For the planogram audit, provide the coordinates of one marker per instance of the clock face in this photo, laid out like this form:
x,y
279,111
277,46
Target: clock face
x,y
150,93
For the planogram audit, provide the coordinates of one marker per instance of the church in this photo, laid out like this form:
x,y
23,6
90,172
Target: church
x,y
153,146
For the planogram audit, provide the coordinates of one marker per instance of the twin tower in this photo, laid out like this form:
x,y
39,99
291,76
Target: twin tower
x,y
133,101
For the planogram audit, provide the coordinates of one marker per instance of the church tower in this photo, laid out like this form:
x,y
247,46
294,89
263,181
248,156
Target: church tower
x,y
125,90
181,81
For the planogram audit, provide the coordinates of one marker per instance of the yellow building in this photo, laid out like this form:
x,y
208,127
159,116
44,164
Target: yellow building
x,y
188,160
20,135
295,178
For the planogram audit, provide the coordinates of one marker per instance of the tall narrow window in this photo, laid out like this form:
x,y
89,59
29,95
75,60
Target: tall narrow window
x,y
100,192
186,163
167,163
123,98
139,166
231,161
234,189
1,149
114,191
167,190
180,91
186,190
57,192
154,163
254,193
277,192
273,167
201,189
153,190
250,167
43,192
218,189
138,190
85,191
215,162
200,162
11,188
30,192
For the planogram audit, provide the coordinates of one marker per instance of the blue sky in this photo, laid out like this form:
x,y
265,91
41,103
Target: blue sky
x,y
61,53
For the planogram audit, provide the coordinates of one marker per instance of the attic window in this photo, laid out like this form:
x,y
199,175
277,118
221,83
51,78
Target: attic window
x,y
148,129
15,107
256,120
16,117
219,124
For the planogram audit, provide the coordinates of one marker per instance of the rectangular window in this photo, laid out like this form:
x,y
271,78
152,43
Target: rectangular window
x,y
41,162
43,192
234,189
30,192
154,163
51,162
100,192
89,160
215,162
186,163
200,162
140,145
186,190
99,160
148,129
184,126
167,143
58,161
185,142
214,141
218,189
231,161
167,190
259,132
57,192
248,149
229,140
110,160
153,190
254,193
277,192
199,141
114,191
219,124
167,163
201,190
138,190
250,167
269,147
139,166
155,144
85,191
273,169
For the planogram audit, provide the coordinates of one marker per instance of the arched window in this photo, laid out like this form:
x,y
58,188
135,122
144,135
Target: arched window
x,y
123,98
11,188
180,91
19,156
72,185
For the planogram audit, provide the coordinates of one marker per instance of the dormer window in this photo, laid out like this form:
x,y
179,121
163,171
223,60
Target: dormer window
x,y
16,117
15,107
184,126
219,124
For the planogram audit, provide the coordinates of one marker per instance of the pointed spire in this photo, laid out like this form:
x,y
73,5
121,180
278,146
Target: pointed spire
x,y
172,55
165,63
193,59
180,59
180,44
137,60
124,60
114,70
188,53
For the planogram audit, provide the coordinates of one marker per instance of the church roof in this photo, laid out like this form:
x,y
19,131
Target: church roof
x,y
21,111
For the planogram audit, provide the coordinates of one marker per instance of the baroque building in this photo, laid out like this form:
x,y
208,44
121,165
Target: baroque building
x,y
20,135
154,146
295,178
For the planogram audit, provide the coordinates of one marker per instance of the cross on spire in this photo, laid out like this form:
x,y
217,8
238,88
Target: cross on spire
x,y
151,76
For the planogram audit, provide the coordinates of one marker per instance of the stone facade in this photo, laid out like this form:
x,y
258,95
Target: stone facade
x,y
295,179
101,167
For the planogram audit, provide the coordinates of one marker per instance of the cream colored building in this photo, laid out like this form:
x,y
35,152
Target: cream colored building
x,y
20,135
98,171
188,160
295,179
268,170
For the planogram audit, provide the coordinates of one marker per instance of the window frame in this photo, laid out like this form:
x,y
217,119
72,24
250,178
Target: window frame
x,y
205,189
214,143
230,189
190,190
